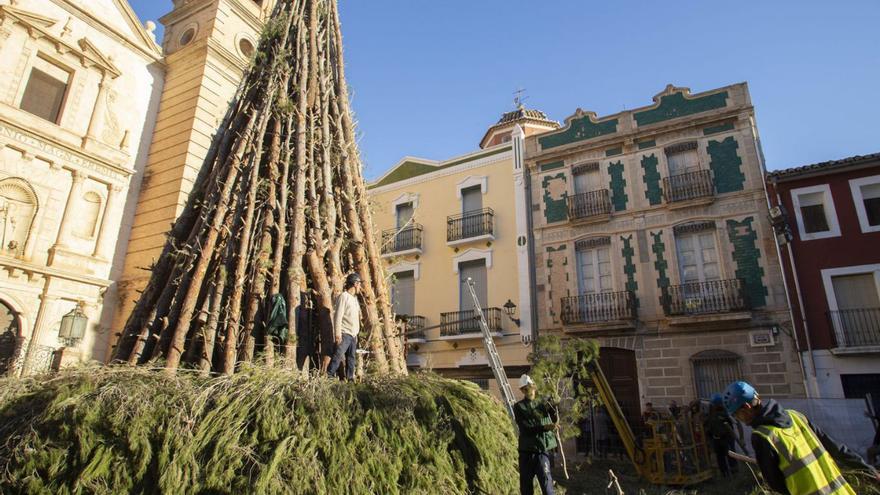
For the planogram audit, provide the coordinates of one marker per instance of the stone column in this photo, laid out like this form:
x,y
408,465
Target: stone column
x,y
97,120
103,244
46,302
70,209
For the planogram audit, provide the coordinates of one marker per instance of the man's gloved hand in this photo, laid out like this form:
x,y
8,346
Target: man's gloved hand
x,y
549,427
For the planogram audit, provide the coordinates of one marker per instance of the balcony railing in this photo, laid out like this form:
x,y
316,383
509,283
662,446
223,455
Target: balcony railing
x,y
464,322
406,239
856,327
414,325
471,224
690,185
589,204
714,296
598,308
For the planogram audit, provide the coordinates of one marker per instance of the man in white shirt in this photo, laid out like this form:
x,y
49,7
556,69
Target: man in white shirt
x,y
346,326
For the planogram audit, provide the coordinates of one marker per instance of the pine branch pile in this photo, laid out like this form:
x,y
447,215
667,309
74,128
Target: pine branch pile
x,y
276,218
130,430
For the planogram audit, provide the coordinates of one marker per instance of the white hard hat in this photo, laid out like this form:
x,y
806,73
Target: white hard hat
x,y
525,381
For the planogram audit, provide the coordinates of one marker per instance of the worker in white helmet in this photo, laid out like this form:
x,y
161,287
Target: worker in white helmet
x,y
536,420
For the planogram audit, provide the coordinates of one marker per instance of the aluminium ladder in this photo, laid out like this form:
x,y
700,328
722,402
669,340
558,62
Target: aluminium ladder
x,y
492,352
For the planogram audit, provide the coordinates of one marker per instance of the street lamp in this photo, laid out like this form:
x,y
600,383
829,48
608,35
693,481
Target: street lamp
x,y
510,310
73,326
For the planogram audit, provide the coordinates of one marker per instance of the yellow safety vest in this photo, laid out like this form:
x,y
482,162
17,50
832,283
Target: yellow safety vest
x,y
808,468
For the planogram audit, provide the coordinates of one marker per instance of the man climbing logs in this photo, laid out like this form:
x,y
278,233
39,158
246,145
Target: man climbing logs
x,y
795,457
536,420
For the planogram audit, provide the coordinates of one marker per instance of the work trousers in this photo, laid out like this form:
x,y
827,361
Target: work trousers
x,y
725,463
346,349
533,464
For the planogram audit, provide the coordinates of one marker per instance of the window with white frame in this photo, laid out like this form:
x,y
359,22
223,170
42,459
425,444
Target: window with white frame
x,y
815,212
45,90
594,270
866,195
697,257
853,294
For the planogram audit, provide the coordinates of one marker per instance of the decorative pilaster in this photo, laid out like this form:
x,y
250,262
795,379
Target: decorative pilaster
x,y
46,302
102,246
70,209
97,120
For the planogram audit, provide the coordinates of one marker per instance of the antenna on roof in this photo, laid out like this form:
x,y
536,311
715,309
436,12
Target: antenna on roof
x,y
518,98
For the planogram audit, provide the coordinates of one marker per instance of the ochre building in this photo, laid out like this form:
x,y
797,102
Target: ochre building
x,y
444,222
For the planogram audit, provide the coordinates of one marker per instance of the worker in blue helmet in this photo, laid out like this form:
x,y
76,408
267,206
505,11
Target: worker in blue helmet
x,y
795,456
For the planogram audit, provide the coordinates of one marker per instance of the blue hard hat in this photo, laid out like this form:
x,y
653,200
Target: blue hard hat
x,y
737,394
716,400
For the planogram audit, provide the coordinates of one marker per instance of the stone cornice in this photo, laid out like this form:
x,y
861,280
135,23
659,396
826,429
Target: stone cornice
x,y
55,151
45,271
478,162
37,27
146,47
632,136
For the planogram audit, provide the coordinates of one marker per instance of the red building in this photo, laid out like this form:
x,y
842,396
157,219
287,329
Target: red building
x,y
831,214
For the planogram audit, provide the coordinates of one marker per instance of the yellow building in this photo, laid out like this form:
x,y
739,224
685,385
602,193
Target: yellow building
x,y
444,222
78,96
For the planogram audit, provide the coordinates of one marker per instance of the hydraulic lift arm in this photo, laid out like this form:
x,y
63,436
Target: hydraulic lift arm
x,y
606,395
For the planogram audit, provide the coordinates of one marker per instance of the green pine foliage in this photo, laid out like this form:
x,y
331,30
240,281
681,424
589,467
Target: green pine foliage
x,y
561,373
125,430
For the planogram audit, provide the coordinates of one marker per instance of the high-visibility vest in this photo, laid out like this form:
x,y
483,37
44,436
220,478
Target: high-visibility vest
x,y
808,468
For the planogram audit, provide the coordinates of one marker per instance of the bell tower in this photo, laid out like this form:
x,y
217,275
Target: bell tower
x,y
207,46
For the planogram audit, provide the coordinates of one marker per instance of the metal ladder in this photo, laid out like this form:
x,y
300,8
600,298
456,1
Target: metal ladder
x,y
494,360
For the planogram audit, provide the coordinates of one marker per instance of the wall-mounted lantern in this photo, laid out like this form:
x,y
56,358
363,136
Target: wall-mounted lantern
x,y
73,326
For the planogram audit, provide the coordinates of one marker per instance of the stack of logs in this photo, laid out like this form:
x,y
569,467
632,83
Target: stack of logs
x,y
279,207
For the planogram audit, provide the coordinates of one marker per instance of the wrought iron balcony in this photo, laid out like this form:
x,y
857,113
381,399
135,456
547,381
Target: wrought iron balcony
x,y
413,325
406,239
855,328
687,186
471,224
464,322
588,205
696,298
599,307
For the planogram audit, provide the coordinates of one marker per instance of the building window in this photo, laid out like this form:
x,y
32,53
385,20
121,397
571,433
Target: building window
x,y
45,90
404,213
682,159
697,257
855,314
189,34
594,270
866,195
815,212
714,370
246,47
403,293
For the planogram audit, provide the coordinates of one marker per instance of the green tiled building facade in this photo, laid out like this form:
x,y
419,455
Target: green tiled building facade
x,y
669,259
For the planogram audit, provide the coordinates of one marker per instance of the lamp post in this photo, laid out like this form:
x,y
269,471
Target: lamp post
x,y
73,326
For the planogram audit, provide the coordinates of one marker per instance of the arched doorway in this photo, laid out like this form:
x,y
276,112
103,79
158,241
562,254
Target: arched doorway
x,y
10,330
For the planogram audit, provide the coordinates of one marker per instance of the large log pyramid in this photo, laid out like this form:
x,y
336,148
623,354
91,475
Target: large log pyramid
x,y
276,218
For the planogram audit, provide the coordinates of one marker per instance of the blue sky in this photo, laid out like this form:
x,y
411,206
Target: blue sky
x,y
428,78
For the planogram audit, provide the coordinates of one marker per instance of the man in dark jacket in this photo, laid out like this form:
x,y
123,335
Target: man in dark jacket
x,y
536,420
719,430
792,452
